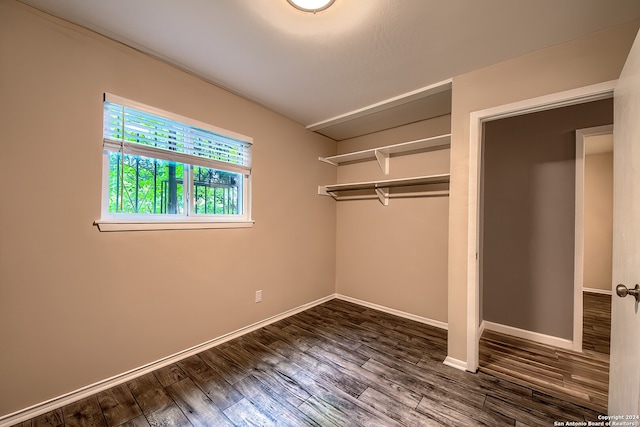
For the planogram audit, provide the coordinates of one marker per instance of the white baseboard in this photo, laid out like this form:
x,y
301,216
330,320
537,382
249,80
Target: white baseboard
x,y
74,396
598,291
425,320
455,363
528,335
481,329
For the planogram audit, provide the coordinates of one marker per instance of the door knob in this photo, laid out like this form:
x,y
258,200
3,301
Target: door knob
x,y
623,291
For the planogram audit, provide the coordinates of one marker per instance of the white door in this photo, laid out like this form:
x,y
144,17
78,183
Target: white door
x,y
624,382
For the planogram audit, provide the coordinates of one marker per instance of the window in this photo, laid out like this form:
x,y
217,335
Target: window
x,y
164,171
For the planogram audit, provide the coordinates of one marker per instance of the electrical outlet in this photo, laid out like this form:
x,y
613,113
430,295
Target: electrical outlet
x,y
259,296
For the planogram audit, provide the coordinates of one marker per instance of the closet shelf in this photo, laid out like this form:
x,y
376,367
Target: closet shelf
x,y
381,154
382,187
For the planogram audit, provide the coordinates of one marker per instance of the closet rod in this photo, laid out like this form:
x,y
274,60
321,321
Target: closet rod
x,y
397,196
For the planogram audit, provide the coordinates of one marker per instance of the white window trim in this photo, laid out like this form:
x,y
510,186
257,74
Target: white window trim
x,y
110,222
115,225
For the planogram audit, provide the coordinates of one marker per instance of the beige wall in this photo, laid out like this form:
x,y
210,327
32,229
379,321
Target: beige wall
x,y
598,220
528,243
78,306
395,255
588,60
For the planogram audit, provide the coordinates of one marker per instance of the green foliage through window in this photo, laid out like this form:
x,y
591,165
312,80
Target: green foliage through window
x,y
161,166
142,185
216,192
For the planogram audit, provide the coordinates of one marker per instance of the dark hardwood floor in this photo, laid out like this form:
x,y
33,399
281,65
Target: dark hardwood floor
x,y
596,323
581,378
337,364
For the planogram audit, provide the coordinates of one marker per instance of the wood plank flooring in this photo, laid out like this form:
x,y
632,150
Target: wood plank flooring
x,y
596,323
581,378
337,364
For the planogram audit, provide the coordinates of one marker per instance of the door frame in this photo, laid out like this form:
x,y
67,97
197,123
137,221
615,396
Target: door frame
x,y
576,96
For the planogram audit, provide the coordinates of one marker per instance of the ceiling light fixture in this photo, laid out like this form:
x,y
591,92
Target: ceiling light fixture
x,y
311,5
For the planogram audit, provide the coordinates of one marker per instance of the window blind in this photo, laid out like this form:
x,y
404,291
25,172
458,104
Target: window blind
x,y
136,129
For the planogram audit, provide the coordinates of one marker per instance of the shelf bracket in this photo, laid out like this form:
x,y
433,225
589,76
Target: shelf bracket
x,y
383,195
383,160
322,191
325,160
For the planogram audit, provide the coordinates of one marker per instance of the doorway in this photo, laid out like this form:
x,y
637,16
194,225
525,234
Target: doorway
x,y
528,217
524,276
528,233
477,120
527,250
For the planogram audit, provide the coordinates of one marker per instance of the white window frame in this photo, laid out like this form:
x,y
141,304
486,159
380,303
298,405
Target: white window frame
x,y
188,221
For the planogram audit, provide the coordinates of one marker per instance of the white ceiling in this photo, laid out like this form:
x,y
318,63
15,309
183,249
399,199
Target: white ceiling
x,y
315,67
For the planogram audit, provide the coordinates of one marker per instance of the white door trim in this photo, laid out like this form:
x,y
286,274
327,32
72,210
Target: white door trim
x,y
578,266
477,118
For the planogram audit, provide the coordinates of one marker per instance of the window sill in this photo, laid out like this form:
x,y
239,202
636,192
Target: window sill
x,y
115,225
